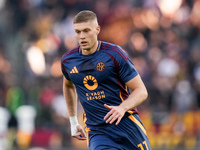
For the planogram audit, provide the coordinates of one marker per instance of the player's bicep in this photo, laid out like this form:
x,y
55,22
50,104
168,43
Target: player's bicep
x,y
135,83
67,83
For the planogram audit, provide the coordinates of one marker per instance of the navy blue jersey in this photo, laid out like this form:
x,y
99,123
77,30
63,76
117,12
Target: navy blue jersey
x,y
99,79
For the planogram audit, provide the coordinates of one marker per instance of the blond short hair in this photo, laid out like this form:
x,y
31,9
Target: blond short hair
x,y
85,16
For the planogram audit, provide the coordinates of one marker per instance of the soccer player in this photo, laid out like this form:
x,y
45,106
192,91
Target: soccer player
x,y
101,74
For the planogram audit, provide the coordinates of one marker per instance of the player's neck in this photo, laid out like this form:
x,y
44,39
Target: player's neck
x,y
91,50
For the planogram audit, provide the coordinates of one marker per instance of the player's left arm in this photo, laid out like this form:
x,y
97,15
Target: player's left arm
x,y
138,95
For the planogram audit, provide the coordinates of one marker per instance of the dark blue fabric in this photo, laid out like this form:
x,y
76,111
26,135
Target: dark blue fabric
x,y
125,136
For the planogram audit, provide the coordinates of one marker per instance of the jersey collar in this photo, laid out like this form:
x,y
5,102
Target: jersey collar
x,y
98,47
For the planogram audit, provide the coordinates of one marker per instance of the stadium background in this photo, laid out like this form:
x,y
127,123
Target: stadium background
x,y
161,36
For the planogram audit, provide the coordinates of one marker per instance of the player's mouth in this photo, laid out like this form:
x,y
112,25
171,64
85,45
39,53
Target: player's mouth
x,y
83,43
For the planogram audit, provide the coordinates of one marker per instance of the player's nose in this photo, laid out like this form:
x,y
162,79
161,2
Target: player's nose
x,y
82,35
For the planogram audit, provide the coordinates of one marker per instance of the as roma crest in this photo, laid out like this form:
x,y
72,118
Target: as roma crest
x,y
100,66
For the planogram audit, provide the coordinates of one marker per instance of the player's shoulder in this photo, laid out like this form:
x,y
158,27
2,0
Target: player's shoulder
x,y
113,49
70,53
108,46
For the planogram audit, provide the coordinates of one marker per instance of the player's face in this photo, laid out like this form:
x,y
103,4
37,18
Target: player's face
x,y
86,34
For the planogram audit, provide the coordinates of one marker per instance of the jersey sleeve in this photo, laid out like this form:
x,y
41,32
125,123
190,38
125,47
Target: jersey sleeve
x,y
127,70
64,70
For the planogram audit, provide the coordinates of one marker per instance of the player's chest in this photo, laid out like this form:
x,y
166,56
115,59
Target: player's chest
x,y
98,69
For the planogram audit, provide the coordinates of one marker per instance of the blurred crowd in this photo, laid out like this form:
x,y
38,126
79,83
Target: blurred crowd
x,y
162,37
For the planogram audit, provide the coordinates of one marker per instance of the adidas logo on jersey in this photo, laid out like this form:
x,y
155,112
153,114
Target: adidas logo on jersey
x,y
74,70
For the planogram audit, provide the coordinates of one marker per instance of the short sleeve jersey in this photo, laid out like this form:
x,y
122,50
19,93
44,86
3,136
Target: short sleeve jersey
x,y
99,79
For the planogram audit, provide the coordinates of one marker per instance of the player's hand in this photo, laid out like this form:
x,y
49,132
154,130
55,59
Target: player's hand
x,y
78,132
115,113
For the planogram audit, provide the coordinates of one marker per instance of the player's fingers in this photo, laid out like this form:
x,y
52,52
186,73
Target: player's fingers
x,y
118,120
107,106
81,131
83,134
113,119
79,137
108,114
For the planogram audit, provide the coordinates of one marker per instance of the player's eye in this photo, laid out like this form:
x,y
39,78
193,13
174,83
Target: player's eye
x,y
78,32
86,31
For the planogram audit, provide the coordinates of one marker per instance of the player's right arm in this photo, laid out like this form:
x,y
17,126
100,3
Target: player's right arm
x,y
70,95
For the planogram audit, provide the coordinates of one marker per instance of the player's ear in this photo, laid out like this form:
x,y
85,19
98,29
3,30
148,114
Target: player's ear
x,y
98,28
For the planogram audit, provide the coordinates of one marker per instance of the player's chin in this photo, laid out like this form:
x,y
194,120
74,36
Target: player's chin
x,y
85,48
